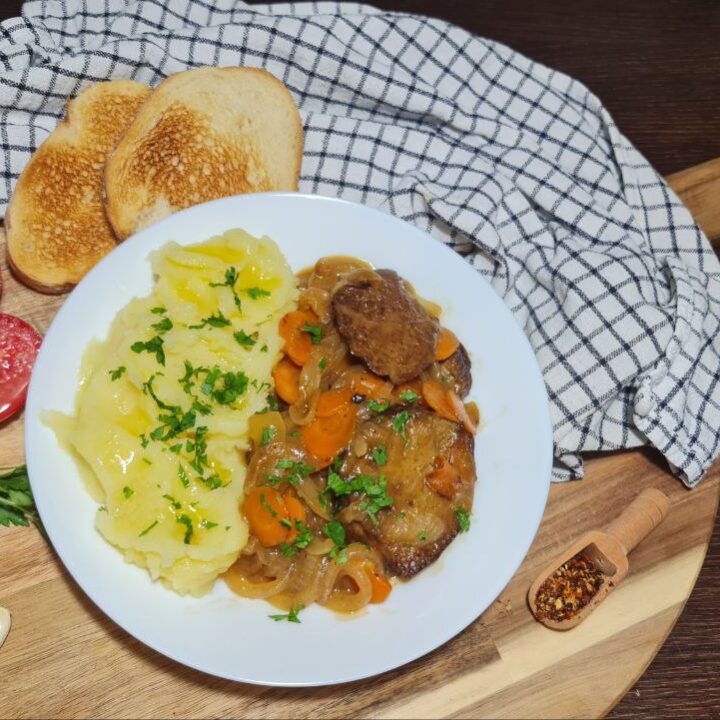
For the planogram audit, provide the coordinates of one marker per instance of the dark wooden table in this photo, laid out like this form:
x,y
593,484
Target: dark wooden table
x,y
656,66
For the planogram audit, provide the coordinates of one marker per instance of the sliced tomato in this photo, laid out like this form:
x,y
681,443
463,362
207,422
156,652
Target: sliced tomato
x,y
19,345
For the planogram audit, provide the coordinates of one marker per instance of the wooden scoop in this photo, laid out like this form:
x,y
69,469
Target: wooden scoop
x,y
608,551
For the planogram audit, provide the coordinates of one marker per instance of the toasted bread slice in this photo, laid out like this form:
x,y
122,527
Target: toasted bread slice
x,y
204,134
55,222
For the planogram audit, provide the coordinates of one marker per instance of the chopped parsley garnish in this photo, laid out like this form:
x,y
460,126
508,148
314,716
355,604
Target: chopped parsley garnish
x,y
399,423
163,326
144,440
117,373
232,385
230,280
172,423
147,461
294,472
158,310
200,407
409,396
379,455
256,292
463,519
315,332
267,505
244,340
216,320
199,446
176,448
212,481
175,504
323,363
148,529
264,348
187,522
268,433
336,532
338,462
422,536
128,492
183,477
154,345
207,524
379,407
291,616
272,402
302,539
375,491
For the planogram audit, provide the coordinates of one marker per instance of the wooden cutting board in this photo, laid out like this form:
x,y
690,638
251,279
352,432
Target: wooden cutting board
x,y
64,658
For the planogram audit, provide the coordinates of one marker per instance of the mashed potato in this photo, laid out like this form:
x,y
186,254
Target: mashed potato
x,y
162,410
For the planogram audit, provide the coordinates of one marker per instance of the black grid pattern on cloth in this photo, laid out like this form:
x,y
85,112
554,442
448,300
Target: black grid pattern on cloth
x,y
517,167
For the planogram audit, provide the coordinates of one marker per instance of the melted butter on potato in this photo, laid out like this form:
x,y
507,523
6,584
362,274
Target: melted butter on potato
x,y
162,445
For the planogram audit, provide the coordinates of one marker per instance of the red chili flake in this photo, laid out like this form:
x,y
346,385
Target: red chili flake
x,y
569,589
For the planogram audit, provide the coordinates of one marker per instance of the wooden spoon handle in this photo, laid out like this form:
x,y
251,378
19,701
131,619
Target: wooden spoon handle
x,y
639,518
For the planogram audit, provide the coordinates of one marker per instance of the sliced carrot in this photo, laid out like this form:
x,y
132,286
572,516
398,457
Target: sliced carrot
x,y
461,412
296,511
447,344
298,343
381,586
436,397
265,510
442,479
333,401
326,436
287,381
371,386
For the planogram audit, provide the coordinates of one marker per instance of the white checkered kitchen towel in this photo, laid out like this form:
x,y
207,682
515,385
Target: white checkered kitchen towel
x,y
517,167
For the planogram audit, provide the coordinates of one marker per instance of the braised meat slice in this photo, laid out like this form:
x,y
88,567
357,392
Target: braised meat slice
x,y
384,325
458,370
430,473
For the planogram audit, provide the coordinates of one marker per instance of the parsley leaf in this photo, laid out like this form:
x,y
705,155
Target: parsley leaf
x,y
231,277
128,492
409,396
207,524
232,385
264,348
187,522
17,506
302,539
315,332
148,529
158,310
379,407
216,320
375,492
463,519
116,374
182,475
422,536
379,455
246,341
291,616
323,363
399,423
267,505
163,326
268,433
154,345
256,292
336,532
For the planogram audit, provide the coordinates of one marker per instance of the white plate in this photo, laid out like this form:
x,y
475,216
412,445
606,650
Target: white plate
x,y
233,637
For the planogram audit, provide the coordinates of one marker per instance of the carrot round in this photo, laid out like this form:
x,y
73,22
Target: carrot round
x,y
296,511
326,436
447,344
265,510
371,386
298,343
287,381
380,585
436,397
333,401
